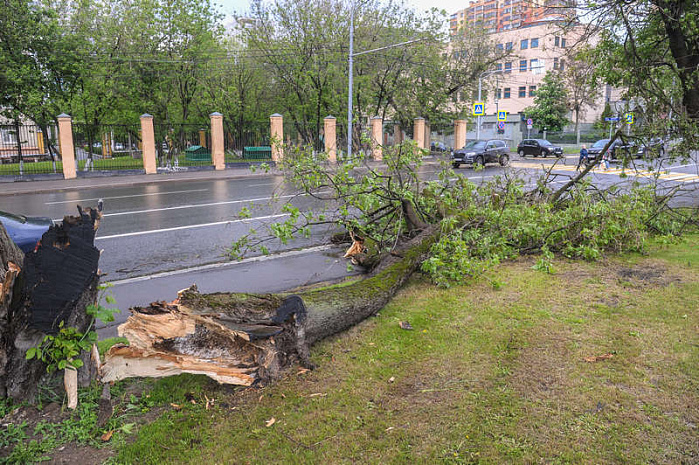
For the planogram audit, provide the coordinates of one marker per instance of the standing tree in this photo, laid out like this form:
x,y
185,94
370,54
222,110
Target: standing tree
x,y
583,86
650,48
550,109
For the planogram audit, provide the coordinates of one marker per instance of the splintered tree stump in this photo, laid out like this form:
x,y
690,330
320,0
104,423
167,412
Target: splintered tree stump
x,y
50,285
244,339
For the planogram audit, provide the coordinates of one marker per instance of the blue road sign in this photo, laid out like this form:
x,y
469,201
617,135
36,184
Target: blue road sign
x,y
501,125
628,118
612,118
530,122
478,109
502,116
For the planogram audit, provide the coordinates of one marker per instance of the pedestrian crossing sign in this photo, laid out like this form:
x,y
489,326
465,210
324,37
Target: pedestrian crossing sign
x,y
502,116
478,109
628,117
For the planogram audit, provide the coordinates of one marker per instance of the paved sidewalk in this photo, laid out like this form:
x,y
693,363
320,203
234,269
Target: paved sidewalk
x,y
111,180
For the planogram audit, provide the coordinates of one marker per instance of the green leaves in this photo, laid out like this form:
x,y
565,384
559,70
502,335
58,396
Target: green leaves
x,y
550,107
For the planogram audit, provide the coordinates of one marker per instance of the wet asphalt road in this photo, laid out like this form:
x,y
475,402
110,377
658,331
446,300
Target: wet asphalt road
x,y
161,237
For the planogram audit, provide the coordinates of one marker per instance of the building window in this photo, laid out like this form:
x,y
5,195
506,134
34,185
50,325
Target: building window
x,y
537,66
557,41
506,93
498,94
524,44
498,67
522,91
563,43
499,47
508,46
523,66
563,65
534,43
532,91
555,63
508,67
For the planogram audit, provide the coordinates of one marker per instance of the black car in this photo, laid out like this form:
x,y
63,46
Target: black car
x,y
538,147
617,149
25,231
480,152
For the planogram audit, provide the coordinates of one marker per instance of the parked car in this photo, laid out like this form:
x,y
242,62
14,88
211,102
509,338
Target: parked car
x,y
25,231
653,148
538,147
480,152
617,149
438,147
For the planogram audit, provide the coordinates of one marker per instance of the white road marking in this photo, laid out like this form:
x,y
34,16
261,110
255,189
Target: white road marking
x,y
213,266
127,196
212,204
679,166
179,228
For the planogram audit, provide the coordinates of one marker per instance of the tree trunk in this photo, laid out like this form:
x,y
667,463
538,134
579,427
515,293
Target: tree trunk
x,y
577,126
248,338
54,283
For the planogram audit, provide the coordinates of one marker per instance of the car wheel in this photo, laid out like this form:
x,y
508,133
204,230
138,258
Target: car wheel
x,y
544,153
455,165
479,161
521,153
504,159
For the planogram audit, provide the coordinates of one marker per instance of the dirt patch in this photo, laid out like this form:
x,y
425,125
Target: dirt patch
x,y
70,454
648,274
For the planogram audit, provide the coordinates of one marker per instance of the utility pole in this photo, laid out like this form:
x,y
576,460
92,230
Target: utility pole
x,y
480,79
351,76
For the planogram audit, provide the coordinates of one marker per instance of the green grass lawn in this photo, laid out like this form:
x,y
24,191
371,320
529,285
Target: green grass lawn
x,y
494,371
597,363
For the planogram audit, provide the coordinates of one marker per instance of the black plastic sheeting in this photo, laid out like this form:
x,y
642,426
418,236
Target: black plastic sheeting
x,y
60,270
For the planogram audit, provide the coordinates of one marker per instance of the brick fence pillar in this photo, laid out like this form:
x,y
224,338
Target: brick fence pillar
x,y
148,144
217,153
419,132
377,137
459,134
65,137
330,129
276,123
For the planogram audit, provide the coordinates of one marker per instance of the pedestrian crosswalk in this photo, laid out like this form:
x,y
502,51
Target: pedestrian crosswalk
x,y
665,175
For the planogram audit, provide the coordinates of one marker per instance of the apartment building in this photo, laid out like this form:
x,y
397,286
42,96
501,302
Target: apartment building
x,y
504,15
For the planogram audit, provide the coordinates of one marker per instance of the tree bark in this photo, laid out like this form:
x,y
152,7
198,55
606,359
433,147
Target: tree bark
x,y
244,339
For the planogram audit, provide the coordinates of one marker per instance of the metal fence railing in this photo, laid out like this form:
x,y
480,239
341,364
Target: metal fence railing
x,y
441,137
245,142
301,134
107,147
569,137
183,146
27,149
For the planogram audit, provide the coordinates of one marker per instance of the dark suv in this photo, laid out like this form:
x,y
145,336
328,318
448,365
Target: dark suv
x,y
480,152
618,149
538,147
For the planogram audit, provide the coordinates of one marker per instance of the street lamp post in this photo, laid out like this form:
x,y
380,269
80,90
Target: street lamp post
x,y
480,79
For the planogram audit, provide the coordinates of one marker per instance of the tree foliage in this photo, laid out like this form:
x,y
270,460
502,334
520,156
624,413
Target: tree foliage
x,y
550,109
650,48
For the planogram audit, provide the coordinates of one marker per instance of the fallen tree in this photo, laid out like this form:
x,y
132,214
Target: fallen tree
x,y
398,224
248,338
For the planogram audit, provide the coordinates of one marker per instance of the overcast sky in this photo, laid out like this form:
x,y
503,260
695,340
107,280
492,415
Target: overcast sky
x,y
229,7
